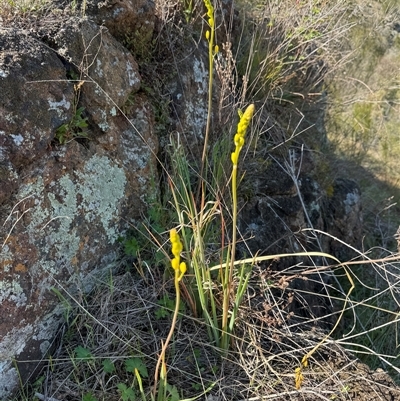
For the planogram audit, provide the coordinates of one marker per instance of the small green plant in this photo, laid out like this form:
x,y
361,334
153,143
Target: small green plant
x,y
89,397
83,354
127,393
131,246
74,129
188,7
108,366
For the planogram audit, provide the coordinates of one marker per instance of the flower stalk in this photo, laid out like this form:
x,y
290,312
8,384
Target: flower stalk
x,y
239,140
179,270
212,51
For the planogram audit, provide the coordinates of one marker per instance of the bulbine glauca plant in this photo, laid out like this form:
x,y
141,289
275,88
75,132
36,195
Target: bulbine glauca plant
x,y
206,287
227,283
179,270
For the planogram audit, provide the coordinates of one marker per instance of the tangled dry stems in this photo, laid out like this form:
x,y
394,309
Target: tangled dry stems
x,y
118,322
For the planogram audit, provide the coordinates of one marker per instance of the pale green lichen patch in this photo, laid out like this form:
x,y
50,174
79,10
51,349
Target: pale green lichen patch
x,y
18,139
99,68
103,124
352,199
13,292
133,78
47,326
196,117
95,194
11,345
59,106
195,109
200,76
14,342
64,238
8,378
138,153
60,216
102,187
6,259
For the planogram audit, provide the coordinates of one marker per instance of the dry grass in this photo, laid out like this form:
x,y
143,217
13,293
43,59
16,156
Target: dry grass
x,y
118,322
10,10
363,109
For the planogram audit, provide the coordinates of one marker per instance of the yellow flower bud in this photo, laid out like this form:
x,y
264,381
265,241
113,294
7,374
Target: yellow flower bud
x,y
208,35
175,264
216,49
177,248
172,235
182,270
239,141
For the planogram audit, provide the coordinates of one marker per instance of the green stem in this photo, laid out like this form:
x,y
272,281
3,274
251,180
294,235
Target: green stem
x,y
210,85
227,284
209,109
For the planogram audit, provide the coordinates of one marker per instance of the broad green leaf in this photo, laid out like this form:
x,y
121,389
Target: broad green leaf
x,y
82,353
136,363
108,366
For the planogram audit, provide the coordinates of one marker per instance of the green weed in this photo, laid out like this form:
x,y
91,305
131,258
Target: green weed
x,y
74,129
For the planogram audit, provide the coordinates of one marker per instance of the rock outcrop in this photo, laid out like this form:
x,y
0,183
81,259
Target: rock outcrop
x,y
63,206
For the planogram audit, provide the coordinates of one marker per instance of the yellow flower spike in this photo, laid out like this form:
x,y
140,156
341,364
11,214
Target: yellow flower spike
x,y
210,12
245,120
176,249
298,378
238,139
176,243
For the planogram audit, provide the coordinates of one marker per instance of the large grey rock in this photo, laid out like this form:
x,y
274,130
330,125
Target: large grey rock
x,y
98,57
131,22
285,204
62,208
